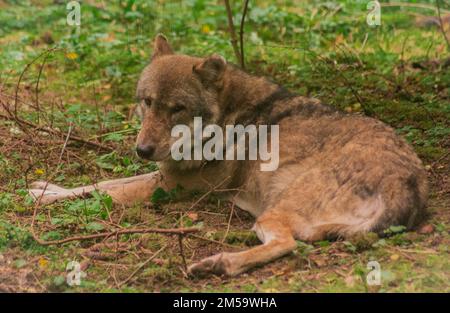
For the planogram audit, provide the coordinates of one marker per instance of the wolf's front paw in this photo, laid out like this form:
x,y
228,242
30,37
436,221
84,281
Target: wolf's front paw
x,y
47,193
217,264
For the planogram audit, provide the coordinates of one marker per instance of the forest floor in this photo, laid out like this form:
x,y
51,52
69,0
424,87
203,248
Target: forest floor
x,y
62,80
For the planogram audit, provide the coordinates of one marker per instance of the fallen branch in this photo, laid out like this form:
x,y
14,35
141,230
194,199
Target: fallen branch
x,y
170,231
180,244
55,132
65,144
412,5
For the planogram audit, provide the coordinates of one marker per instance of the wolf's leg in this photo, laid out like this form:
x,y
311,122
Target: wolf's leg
x,y
124,191
277,241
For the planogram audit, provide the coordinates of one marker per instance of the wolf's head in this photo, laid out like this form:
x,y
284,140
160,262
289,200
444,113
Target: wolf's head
x,y
172,90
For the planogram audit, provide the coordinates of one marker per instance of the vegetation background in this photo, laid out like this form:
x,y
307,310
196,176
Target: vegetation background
x,y
66,115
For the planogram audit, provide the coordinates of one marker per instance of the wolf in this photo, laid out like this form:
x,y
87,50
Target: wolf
x,y
339,174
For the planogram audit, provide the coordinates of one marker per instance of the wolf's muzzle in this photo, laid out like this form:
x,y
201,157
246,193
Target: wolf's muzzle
x,y
145,151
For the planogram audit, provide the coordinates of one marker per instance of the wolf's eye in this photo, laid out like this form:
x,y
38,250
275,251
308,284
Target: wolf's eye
x,y
177,108
148,102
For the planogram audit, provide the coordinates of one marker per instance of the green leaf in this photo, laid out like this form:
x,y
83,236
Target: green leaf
x,y
324,243
104,165
379,243
395,229
56,220
19,263
114,137
51,235
94,226
350,247
160,196
107,201
59,280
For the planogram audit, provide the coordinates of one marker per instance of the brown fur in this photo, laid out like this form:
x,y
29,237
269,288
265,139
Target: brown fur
x,y
338,175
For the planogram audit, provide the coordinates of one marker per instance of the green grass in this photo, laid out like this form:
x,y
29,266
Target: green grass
x,y
320,49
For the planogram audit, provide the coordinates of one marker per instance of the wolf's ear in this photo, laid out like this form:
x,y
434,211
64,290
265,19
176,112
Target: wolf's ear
x,y
211,69
161,46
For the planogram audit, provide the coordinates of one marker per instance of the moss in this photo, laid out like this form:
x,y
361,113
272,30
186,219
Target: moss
x,y
245,237
364,241
155,274
430,152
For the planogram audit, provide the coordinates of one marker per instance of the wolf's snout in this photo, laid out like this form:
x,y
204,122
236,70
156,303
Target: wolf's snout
x,y
145,151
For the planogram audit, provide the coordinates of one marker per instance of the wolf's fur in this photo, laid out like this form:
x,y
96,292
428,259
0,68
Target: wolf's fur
x,y
338,175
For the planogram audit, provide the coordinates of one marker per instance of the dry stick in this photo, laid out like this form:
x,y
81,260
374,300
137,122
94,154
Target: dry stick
x,y
411,5
232,32
231,216
56,172
180,243
229,223
52,131
105,235
141,266
20,122
441,24
37,87
169,231
213,241
241,33
23,73
65,145
214,188
440,159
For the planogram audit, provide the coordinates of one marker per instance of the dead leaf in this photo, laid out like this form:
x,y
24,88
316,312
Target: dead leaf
x,y
395,257
426,229
193,216
350,280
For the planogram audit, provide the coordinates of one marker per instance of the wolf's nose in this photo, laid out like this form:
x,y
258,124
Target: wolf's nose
x,y
145,151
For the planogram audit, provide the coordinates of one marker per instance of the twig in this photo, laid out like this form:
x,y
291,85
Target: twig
x,y
440,159
123,131
21,122
52,131
23,73
441,24
180,243
232,32
411,5
111,233
141,266
38,108
214,188
213,241
65,145
428,251
229,223
241,33
38,282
